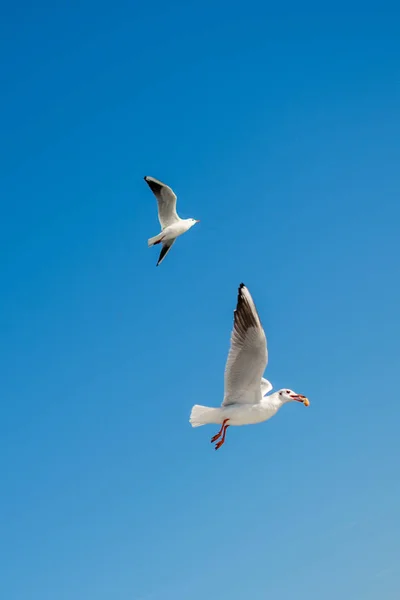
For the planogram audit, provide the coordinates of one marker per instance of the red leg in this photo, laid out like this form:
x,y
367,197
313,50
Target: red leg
x,y
218,435
222,439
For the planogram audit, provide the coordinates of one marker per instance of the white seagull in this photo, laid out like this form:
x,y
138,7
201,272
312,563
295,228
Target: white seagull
x,y
245,400
172,226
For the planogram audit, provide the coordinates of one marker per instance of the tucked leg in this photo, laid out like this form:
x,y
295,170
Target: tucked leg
x,y
218,435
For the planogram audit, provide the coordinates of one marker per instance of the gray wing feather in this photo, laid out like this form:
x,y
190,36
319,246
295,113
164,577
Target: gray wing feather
x,y
166,200
248,355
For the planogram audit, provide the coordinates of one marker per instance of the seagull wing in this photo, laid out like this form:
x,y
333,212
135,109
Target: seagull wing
x,y
166,200
164,251
266,386
248,355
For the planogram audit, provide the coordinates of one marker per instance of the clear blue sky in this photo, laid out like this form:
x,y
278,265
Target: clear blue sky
x,y
279,128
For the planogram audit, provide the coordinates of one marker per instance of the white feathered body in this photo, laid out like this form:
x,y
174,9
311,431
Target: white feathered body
x,y
172,231
238,414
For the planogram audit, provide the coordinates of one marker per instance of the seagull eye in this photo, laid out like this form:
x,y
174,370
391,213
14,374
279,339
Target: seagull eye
x,y
288,391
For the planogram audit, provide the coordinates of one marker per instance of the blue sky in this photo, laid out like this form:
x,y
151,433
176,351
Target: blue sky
x,y
279,128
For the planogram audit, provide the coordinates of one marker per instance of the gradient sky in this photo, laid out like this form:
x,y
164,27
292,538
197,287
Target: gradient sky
x,y
279,128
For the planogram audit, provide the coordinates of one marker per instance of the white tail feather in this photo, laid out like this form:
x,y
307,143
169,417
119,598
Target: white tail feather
x,y
203,415
155,240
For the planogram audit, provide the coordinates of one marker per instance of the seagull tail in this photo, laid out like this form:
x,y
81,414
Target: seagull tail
x,y
204,415
155,240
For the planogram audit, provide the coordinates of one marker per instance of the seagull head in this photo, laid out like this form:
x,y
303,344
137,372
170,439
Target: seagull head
x,y
192,222
291,396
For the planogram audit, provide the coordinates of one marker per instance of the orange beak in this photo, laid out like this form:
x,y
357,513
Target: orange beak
x,y
300,398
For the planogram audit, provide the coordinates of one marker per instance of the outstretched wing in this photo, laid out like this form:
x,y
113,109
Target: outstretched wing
x,y
248,354
266,386
166,200
164,251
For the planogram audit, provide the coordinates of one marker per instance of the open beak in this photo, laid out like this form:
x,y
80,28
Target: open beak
x,y
300,398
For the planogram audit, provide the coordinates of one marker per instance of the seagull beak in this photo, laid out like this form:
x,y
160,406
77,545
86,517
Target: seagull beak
x,y
300,398
198,221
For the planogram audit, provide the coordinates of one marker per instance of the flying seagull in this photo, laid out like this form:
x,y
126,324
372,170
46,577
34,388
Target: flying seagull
x,y
172,226
245,400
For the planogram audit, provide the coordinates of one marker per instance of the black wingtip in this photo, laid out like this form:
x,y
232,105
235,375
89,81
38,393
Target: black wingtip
x,y
243,314
240,295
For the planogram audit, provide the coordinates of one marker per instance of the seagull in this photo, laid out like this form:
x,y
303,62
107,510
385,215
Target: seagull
x,y
172,226
245,398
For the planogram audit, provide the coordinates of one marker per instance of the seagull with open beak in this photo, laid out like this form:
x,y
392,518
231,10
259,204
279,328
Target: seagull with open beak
x,y
245,400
